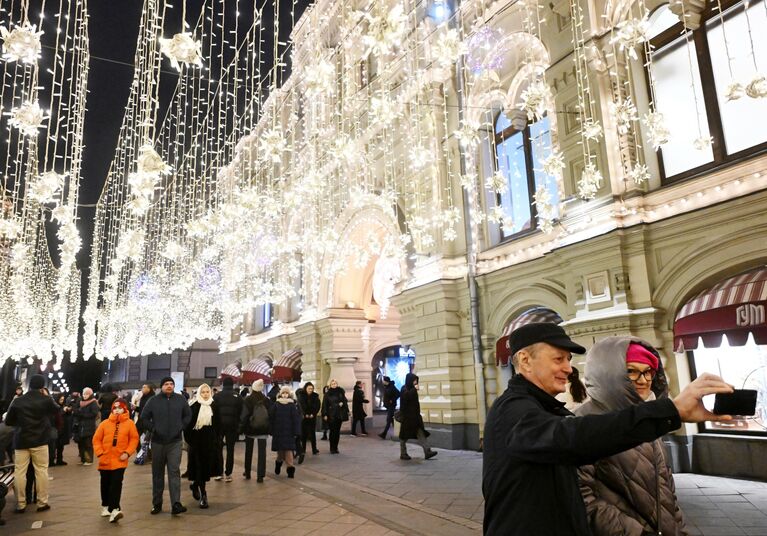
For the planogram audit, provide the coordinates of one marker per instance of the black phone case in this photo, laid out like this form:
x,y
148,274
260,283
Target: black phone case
x,y
739,402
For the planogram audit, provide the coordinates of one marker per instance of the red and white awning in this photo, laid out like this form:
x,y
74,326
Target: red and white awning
x,y
288,366
735,307
258,369
231,371
537,314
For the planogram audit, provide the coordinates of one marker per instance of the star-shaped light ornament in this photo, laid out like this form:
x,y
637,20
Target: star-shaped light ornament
x,y
319,78
591,180
639,174
536,99
28,118
272,145
497,183
468,135
448,48
383,110
44,189
592,130
631,36
625,113
182,49
21,44
554,164
657,133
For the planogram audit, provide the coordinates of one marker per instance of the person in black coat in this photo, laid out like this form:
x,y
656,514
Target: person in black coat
x,y
323,422
309,403
358,408
335,410
285,420
412,426
84,425
202,436
229,409
390,397
254,423
274,392
64,430
147,392
106,398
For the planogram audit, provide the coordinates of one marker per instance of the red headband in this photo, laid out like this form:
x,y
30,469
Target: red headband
x,y
639,354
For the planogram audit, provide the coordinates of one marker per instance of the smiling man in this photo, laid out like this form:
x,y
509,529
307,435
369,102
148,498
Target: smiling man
x,y
533,445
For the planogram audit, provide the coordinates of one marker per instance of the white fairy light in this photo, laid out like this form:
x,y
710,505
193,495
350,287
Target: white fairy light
x,y
182,49
385,32
639,174
545,209
631,35
497,183
28,118
592,130
468,135
44,188
22,43
625,113
536,99
657,132
448,48
590,182
554,164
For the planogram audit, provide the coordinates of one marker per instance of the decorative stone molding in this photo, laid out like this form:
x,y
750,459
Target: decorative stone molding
x,y
688,11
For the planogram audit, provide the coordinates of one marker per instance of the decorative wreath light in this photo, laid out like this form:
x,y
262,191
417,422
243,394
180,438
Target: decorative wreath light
x,y
182,49
657,132
590,182
21,44
28,118
44,189
631,36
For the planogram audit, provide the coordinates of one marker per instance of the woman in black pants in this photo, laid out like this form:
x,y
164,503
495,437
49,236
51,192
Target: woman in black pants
x,y
309,402
335,410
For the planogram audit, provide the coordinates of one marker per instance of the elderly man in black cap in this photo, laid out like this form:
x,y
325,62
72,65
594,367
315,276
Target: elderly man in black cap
x,y
533,445
31,415
166,415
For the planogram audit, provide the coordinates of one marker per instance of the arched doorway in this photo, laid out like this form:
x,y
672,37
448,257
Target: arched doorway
x,y
395,362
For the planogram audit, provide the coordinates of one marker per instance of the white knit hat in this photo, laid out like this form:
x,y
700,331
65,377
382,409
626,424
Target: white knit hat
x,y
258,385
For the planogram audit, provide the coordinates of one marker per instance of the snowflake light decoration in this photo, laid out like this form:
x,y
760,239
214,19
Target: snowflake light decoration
x,y
468,135
28,118
639,174
448,48
272,145
757,87
173,251
319,78
9,229
70,242
469,181
545,209
44,189
702,143
592,130
131,244
182,49
591,180
385,33
420,157
383,110
21,44
554,164
657,133
497,183
625,113
734,91
631,35
535,99
150,162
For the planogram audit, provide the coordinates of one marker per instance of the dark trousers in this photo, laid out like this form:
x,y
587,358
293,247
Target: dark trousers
x,y
111,487
362,425
166,456
230,439
335,434
308,432
261,462
85,447
51,452
59,453
389,420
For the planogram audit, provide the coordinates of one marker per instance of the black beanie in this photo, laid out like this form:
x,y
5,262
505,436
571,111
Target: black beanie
x,y
228,382
37,381
167,379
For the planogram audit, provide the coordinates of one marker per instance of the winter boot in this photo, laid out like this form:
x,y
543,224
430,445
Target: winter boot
x,y
291,472
277,467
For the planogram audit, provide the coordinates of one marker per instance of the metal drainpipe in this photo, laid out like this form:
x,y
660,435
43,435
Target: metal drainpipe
x,y
476,334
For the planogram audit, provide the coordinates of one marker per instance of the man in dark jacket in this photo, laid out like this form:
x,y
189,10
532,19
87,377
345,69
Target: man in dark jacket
x,y
229,411
31,414
165,416
358,408
533,445
390,397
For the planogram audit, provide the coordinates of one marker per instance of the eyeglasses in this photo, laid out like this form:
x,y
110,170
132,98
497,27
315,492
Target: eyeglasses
x,y
634,375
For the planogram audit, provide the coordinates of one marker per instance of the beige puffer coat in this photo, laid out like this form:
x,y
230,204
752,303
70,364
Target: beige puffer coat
x,y
624,493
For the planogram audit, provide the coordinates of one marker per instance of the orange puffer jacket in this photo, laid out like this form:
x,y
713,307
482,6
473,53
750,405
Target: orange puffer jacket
x,y
127,441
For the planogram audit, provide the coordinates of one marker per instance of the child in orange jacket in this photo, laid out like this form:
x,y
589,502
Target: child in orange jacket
x,y
113,443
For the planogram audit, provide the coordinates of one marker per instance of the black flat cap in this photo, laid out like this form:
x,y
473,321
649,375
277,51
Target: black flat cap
x,y
552,334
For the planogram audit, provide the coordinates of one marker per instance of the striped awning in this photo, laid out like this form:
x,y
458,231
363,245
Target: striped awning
x,y
537,314
734,307
258,369
288,366
231,371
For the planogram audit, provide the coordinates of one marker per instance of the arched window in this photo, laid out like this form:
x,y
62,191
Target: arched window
x,y
518,156
699,60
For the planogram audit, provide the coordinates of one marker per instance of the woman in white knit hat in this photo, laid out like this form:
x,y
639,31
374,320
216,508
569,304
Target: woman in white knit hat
x,y
254,423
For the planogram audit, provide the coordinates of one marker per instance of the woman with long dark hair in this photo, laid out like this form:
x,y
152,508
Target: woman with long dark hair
x,y
335,410
202,437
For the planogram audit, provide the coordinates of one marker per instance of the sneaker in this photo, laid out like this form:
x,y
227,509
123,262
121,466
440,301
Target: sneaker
x,y
177,509
43,507
20,510
105,511
219,477
404,457
87,463
431,454
228,478
364,433
115,515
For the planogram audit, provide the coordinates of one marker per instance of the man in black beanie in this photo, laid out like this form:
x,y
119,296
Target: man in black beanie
x,y
229,409
31,415
166,415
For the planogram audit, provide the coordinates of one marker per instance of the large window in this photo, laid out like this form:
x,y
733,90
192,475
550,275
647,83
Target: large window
x,y
693,77
519,157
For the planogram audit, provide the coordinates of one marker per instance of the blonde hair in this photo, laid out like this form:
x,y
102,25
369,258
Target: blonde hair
x,y
331,380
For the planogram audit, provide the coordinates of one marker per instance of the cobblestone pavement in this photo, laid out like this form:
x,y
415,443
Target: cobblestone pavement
x,y
366,490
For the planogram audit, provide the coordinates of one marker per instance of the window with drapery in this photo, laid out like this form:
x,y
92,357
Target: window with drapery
x,y
694,73
519,156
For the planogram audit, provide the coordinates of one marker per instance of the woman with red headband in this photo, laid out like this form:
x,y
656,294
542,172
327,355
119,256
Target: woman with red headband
x,y
631,493
115,440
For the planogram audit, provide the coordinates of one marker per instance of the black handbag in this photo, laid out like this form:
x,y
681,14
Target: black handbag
x,y
398,416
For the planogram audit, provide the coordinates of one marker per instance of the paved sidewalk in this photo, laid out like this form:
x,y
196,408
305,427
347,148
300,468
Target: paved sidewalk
x,y
365,490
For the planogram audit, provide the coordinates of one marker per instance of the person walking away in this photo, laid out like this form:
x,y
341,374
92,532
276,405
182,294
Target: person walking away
x,y
358,408
323,422
115,440
390,397
202,435
84,422
533,445
285,420
335,410
106,398
631,492
309,402
412,426
30,414
165,416
254,423
65,430
229,409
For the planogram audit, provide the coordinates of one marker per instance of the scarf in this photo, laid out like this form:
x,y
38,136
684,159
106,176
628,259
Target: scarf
x,y
205,416
84,403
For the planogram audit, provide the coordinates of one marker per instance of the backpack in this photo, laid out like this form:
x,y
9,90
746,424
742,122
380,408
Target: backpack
x,y
259,420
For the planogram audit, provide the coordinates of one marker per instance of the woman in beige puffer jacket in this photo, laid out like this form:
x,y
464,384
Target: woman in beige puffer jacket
x,y
627,493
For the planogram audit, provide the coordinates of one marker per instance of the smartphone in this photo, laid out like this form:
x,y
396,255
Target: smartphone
x,y
739,402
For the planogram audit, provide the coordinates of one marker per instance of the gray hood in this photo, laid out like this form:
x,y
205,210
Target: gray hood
x,y
606,383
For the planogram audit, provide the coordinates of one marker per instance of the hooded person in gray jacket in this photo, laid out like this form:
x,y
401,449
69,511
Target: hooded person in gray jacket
x,y
627,493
